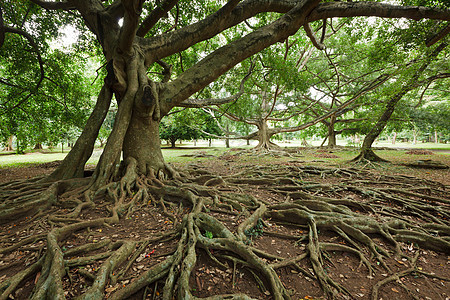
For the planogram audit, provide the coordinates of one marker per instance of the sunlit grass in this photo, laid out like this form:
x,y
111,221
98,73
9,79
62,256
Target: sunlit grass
x,y
178,155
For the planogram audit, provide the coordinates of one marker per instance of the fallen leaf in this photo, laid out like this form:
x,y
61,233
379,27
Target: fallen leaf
x,y
37,277
394,290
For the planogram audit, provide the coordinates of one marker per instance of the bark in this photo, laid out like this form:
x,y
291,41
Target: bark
x,y
142,143
108,164
73,164
331,132
264,134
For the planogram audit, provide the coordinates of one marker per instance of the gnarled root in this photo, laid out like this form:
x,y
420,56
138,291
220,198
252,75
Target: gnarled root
x,y
196,222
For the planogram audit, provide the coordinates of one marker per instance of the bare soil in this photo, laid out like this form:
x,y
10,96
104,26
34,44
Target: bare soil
x,y
210,278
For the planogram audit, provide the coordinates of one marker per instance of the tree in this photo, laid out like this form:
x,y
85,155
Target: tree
x,y
137,38
45,90
412,81
178,127
434,117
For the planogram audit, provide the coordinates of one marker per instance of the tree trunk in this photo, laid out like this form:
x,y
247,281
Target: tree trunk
x,y
415,137
366,149
173,143
73,164
227,141
436,140
264,136
331,132
38,146
142,143
9,146
394,138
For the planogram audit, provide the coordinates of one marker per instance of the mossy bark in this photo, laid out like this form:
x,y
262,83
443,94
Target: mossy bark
x,y
142,142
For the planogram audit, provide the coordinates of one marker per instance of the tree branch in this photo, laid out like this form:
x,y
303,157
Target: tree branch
x,y
234,117
317,43
199,103
155,16
374,84
376,9
167,70
231,14
2,28
224,58
240,137
294,114
161,46
131,16
438,36
350,120
64,5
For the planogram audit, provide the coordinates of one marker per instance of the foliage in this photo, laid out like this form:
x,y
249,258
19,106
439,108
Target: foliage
x,y
433,117
45,90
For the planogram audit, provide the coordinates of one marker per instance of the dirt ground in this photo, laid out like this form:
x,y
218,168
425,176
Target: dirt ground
x,y
429,280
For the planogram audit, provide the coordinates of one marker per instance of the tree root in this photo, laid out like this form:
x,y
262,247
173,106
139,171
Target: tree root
x,y
204,216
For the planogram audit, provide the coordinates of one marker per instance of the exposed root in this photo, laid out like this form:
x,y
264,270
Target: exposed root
x,y
206,215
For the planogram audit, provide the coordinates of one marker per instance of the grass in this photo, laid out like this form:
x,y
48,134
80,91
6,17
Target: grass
x,y
309,156
170,155
176,155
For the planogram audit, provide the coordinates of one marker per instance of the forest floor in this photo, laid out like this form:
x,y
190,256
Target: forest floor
x,y
417,274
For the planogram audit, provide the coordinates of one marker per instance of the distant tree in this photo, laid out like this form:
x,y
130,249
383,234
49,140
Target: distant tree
x,y
433,120
412,78
106,128
187,124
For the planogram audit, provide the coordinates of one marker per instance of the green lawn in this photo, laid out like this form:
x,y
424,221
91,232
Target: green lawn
x,y
177,155
170,155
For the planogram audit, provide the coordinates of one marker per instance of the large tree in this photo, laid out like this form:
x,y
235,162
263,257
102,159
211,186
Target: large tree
x,y
132,48
138,38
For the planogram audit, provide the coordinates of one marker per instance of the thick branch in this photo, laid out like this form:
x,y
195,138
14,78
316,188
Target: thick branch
x,y
198,103
133,10
162,46
224,58
65,5
376,9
